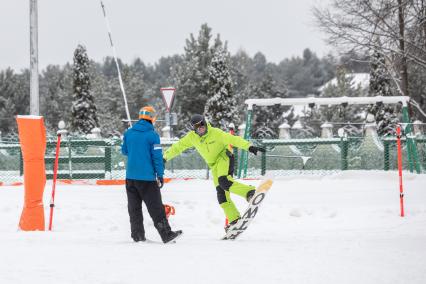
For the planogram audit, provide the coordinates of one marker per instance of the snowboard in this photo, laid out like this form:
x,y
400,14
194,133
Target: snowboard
x,y
242,224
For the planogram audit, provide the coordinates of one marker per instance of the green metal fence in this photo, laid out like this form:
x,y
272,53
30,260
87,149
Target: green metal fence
x,y
332,154
102,159
92,159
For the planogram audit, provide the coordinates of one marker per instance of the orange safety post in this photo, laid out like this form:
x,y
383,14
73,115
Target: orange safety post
x,y
32,137
401,189
55,174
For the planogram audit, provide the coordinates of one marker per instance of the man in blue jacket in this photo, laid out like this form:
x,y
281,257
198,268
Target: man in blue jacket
x,y
144,177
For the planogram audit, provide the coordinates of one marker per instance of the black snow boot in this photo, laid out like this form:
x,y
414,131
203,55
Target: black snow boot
x,y
139,237
250,195
166,233
231,224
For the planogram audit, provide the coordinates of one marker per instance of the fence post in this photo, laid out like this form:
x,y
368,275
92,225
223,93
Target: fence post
x,y
344,153
242,131
21,163
108,160
242,169
413,159
69,157
386,155
235,150
263,163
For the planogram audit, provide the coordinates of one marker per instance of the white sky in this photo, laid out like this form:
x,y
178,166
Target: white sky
x,y
155,28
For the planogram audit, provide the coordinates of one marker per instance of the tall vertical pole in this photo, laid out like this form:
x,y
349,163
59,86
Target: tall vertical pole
x,y
413,157
34,94
169,117
401,190
114,53
242,169
55,174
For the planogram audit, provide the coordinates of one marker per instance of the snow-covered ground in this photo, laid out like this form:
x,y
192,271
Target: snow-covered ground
x,y
341,228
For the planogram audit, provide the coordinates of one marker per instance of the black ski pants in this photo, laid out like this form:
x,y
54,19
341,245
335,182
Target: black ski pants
x,y
148,192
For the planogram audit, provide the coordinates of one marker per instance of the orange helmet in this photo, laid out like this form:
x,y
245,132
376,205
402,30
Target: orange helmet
x,y
148,113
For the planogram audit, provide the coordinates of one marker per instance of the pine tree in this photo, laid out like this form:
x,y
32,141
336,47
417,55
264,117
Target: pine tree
x,y
191,78
304,75
267,119
14,98
135,89
83,110
111,106
221,107
380,85
379,78
343,113
340,89
55,99
8,86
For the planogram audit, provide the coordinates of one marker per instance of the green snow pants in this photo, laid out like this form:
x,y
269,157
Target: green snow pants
x,y
222,171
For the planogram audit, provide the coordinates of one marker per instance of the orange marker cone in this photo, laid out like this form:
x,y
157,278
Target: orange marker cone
x,y
32,137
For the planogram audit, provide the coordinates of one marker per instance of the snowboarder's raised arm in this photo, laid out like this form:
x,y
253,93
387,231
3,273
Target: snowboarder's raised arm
x,y
236,141
177,148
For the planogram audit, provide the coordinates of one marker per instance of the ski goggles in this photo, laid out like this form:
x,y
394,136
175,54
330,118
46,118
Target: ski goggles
x,y
148,113
197,125
200,127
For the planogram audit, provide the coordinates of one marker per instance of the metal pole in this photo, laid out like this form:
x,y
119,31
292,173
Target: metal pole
x,y
244,155
120,80
170,124
34,93
55,174
411,146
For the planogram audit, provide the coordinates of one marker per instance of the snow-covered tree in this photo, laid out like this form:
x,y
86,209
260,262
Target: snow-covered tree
x,y
267,119
83,109
191,77
380,81
14,98
343,113
343,87
304,75
221,107
55,89
109,107
380,85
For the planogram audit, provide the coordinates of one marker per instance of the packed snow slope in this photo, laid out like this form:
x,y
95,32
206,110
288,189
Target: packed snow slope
x,y
341,228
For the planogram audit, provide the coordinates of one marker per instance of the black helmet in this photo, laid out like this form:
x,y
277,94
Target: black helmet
x,y
199,124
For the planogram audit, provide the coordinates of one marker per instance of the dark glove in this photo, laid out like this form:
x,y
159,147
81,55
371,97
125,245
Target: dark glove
x,y
254,149
164,161
160,182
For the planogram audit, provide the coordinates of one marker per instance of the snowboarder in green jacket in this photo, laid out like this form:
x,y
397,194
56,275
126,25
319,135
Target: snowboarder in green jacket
x,y
213,145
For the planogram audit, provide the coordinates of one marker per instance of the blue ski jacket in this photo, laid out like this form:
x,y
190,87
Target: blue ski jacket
x,y
141,145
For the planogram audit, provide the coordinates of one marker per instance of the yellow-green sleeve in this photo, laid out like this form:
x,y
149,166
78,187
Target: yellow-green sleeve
x,y
236,141
177,148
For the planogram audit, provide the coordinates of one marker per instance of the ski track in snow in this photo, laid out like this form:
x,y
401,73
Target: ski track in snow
x,y
342,228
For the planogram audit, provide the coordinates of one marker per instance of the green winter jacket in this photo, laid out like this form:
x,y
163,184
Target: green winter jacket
x,y
210,146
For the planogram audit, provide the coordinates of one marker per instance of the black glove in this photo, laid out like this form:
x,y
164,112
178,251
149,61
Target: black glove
x,y
160,182
254,149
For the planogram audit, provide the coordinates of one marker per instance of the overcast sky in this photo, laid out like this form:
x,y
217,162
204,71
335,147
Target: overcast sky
x,y
151,29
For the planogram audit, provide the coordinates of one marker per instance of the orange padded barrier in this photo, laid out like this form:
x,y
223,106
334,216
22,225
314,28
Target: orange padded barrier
x,y
32,137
